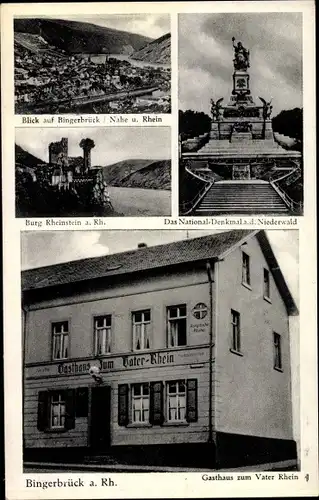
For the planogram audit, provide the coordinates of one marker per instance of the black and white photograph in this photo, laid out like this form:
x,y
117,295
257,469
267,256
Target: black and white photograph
x,y
160,351
93,171
92,64
240,113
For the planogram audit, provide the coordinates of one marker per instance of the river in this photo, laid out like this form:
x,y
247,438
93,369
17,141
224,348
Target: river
x,y
138,202
100,59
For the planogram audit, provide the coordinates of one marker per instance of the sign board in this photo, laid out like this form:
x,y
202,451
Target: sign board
x,y
121,363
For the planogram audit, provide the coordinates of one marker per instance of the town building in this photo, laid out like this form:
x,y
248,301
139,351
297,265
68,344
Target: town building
x,y
56,82
170,354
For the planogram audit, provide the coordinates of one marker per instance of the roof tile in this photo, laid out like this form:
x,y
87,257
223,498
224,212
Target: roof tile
x,y
189,250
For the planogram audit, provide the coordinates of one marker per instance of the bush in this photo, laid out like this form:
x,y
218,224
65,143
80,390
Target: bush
x,y
289,123
193,123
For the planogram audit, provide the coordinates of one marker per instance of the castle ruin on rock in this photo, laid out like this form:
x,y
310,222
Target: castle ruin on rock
x,y
76,173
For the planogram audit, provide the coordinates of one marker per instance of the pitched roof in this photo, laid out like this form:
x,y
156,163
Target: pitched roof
x,y
190,250
155,257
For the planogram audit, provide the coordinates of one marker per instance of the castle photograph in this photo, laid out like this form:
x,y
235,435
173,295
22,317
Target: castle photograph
x,y
77,172
97,64
240,118
160,349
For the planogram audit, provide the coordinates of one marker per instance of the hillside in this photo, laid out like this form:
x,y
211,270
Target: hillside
x,y
81,37
118,171
25,158
157,175
149,174
157,51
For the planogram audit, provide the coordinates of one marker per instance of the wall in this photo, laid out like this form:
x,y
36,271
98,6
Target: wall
x,y
155,293
252,397
165,434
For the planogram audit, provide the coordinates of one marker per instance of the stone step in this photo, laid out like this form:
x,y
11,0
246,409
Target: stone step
x,y
234,198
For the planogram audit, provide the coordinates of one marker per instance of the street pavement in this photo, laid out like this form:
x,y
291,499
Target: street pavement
x,y
36,467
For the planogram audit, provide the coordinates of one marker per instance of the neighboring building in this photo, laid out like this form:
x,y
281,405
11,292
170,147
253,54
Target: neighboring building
x,y
171,354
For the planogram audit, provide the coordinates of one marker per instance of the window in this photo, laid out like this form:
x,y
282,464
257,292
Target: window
x,y
56,410
235,330
176,316
246,269
176,401
266,284
277,351
102,334
147,402
141,329
60,332
140,403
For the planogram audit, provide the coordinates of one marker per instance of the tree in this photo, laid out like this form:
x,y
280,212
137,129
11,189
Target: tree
x,y
193,123
289,123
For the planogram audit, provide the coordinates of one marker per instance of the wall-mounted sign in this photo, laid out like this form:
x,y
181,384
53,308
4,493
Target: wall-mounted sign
x,y
121,363
200,310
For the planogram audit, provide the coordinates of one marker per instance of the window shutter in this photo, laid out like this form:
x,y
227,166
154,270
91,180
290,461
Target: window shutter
x,y
69,409
123,404
156,403
191,413
43,410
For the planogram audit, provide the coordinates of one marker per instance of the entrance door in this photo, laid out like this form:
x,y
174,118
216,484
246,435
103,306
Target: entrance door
x,y
100,432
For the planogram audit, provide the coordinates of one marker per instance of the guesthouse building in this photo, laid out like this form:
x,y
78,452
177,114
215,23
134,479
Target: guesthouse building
x,y
176,354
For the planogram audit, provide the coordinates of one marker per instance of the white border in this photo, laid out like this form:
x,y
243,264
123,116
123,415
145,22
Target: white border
x,y
171,485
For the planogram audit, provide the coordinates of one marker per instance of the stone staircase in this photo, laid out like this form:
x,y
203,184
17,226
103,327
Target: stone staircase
x,y
241,197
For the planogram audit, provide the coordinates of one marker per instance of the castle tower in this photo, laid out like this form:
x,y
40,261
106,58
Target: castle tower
x,y
86,145
55,148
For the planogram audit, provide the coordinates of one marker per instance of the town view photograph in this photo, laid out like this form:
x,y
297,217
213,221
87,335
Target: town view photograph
x,y
97,64
240,114
78,172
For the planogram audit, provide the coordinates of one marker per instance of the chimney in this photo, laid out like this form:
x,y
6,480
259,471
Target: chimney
x,y
141,245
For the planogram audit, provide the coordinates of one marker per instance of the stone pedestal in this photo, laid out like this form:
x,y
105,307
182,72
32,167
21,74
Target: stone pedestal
x,y
241,137
214,132
241,172
241,82
268,130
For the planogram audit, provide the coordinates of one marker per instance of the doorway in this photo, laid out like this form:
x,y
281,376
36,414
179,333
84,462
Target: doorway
x,y
100,422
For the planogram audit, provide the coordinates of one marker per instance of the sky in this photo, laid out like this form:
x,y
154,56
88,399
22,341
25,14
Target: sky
x,y
112,144
150,25
73,245
206,53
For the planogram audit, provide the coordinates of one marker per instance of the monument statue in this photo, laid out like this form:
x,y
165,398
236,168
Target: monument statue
x,y
241,60
216,109
267,108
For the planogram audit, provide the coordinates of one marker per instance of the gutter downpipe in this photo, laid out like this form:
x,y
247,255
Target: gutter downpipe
x,y
210,275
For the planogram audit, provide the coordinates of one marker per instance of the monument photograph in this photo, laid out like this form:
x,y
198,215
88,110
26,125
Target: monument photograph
x,y
92,64
110,171
240,114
